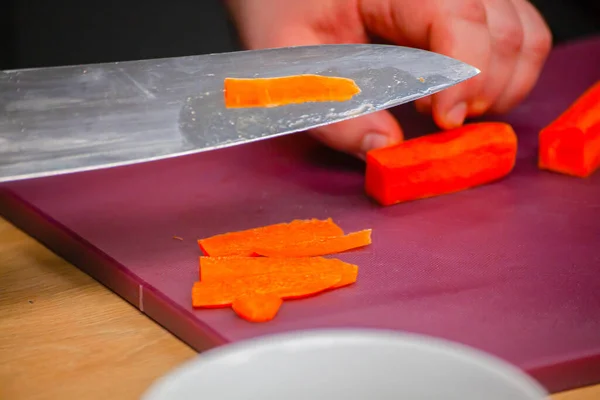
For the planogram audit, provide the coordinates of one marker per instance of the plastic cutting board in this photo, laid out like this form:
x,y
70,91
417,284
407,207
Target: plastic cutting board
x,y
512,268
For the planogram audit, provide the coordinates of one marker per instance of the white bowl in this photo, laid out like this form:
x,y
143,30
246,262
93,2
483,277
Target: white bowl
x,y
345,364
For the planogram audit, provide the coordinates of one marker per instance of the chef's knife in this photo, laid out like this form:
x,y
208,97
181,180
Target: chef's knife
x,y
77,118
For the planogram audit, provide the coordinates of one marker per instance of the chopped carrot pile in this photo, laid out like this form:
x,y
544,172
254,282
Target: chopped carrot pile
x,y
280,91
318,246
227,268
256,307
253,271
243,243
441,163
283,284
571,143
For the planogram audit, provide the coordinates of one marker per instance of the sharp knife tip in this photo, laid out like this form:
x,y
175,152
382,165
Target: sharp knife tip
x,y
469,72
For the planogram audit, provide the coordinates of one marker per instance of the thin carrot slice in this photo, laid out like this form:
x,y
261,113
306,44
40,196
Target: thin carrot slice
x,y
318,247
214,269
441,163
242,243
256,307
282,284
571,143
280,91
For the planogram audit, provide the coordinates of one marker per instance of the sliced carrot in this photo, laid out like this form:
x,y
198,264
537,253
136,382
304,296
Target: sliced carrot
x,y
242,243
571,143
215,269
285,285
441,163
256,307
231,274
280,91
318,247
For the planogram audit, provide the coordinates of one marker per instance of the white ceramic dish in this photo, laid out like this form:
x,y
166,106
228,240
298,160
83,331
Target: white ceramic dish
x,y
345,364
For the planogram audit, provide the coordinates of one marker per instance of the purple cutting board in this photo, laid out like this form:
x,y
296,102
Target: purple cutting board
x,y
512,268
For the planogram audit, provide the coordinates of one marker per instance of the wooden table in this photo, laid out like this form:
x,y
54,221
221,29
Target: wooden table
x,y
65,336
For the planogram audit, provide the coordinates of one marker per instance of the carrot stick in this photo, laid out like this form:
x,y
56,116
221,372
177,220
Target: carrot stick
x,y
571,143
280,91
215,269
441,163
319,246
242,243
256,307
285,285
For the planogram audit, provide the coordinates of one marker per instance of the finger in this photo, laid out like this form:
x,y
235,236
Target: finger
x,y
461,33
537,43
456,28
423,105
359,135
506,34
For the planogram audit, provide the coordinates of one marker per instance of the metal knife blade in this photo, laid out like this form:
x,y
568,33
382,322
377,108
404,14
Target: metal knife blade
x,y
77,118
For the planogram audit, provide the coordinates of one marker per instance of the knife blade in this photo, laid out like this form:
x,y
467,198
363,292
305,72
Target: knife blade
x,y
78,118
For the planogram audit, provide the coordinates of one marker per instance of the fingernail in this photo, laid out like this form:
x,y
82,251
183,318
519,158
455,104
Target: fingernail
x,y
478,107
373,141
456,116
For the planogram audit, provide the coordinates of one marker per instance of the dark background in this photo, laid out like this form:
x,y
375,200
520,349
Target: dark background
x,y
36,33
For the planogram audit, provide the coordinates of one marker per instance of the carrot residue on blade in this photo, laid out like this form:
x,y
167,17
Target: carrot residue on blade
x,y
216,269
256,307
571,143
441,163
242,243
317,247
280,91
285,285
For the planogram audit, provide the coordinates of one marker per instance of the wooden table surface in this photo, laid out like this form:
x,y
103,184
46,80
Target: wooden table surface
x,y
65,336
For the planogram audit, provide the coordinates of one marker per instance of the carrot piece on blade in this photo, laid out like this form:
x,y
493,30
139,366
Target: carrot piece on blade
x,y
441,163
215,269
256,307
280,91
318,247
571,143
242,243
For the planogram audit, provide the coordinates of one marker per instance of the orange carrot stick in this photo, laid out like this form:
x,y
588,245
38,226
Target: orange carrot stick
x,y
282,284
318,247
242,243
571,143
441,163
256,307
280,91
215,269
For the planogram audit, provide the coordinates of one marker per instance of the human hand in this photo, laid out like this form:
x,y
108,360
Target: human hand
x,y
507,40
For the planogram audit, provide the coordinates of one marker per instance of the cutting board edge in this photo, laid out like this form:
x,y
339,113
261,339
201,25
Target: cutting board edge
x,y
107,271
580,372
